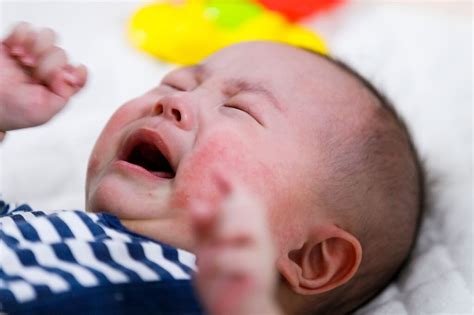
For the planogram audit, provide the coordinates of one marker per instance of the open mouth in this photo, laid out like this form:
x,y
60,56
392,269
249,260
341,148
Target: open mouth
x,y
145,150
150,158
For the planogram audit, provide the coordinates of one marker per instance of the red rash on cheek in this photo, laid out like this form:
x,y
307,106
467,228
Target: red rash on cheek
x,y
225,155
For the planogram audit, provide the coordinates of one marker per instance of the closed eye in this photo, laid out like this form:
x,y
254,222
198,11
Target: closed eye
x,y
245,110
173,86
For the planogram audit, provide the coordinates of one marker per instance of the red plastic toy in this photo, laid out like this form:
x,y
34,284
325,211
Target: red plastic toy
x,y
295,10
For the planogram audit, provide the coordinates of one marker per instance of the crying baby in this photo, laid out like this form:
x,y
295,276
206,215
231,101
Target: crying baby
x,y
288,175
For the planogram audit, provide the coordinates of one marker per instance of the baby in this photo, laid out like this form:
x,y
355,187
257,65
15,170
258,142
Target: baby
x,y
263,160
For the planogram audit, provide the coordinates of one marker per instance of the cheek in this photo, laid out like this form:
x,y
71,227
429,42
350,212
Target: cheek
x,y
126,114
227,155
93,165
108,141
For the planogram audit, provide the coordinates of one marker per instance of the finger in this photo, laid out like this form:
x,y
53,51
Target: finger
x,y
203,218
17,37
59,84
221,287
239,217
26,57
38,45
229,261
68,80
224,184
223,188
242,219
215,280
53,59
79,76
226,295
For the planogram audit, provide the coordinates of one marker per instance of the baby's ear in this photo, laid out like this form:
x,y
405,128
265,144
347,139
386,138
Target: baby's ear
x,y
329,258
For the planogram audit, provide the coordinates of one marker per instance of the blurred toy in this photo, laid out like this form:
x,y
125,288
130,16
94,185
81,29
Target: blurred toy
x,y
296,10
187,31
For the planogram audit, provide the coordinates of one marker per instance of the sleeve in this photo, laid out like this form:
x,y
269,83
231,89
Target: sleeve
x,y
4,207
10,208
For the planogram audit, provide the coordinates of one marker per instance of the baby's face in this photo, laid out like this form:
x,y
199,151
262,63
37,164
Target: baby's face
x,y
254,112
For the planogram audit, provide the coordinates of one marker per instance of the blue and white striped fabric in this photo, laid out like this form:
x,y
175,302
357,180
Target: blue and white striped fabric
x,y
73,262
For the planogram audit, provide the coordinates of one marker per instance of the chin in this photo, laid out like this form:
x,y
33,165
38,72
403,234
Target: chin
x,y
123,198
106,198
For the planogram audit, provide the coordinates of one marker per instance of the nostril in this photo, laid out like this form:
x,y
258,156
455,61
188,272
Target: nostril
x,y
176,113
158,110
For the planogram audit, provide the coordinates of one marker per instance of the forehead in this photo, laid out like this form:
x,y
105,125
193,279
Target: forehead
x,y
299,79
274,65
293,74
313,91
258,56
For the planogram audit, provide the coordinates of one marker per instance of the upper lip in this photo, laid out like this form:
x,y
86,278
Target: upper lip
x,y
148,136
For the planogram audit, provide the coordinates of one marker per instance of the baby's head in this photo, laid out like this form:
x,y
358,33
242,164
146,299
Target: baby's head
x,y
329,158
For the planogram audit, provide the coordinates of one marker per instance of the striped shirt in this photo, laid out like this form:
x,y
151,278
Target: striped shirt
x,y
73,262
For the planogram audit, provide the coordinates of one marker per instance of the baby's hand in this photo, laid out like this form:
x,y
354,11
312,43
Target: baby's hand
x,y
235,255
36,80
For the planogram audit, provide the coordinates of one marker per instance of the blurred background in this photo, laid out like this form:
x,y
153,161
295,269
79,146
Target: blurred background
x,y
397,44
419,53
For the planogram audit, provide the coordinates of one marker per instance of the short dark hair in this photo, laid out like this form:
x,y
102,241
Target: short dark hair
x,y
393,131
388,106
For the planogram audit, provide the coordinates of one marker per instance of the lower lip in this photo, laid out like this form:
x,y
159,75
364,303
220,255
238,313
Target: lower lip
x,y
138,170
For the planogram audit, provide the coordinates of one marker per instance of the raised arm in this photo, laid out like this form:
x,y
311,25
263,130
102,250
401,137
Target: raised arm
x,y
36,79
235,254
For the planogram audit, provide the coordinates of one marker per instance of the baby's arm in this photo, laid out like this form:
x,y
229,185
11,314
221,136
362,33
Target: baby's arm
x,y
235,255
36,80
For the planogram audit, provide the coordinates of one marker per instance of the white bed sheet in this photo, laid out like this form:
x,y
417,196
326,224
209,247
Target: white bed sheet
x,y
422,58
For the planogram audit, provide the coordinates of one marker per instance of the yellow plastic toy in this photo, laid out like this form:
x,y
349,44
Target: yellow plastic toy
x,y
187,31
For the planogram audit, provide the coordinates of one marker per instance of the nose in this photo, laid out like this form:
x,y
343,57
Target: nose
x,y
177,110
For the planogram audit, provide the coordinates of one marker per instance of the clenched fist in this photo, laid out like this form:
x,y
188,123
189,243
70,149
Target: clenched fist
x,y
36,79
235,254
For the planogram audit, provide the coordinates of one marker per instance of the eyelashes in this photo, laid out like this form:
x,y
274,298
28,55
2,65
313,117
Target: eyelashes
x,y
173,86
244,109
238,107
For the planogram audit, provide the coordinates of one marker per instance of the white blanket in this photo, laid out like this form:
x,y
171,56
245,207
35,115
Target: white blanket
x,y
420,57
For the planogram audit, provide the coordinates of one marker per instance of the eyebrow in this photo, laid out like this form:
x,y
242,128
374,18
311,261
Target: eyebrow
x,y
234,86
